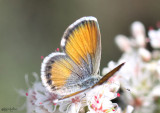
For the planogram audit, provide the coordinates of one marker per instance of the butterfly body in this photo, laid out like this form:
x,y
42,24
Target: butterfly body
x,y
75,69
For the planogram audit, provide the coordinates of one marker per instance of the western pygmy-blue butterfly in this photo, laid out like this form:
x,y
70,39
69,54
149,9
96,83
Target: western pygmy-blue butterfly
x,y
75,70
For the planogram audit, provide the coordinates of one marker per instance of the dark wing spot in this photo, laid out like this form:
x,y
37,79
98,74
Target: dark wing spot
x,y
52,61
48,75
49,82
53,88
48,68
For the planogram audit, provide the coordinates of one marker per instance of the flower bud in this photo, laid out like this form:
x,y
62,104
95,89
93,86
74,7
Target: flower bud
x,y
138,32
123,43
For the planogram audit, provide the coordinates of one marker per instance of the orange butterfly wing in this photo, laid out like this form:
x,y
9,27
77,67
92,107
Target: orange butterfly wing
x,y
62,73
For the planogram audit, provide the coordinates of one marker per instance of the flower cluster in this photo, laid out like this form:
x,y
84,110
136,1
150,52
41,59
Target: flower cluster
x,y
96,100
38,100
140,77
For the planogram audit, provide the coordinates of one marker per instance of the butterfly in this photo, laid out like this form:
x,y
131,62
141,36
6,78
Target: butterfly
x,y
76,69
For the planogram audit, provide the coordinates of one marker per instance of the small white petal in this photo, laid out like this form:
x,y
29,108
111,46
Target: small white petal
x,y
129,109
156,91
145,54
154,38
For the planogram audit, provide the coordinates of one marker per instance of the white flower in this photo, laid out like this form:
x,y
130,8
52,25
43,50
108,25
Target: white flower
x,y
98,99
140,76
39,100
136,84
72,105
154,36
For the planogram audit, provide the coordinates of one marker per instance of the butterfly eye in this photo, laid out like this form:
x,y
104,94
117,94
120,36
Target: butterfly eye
x,y
49,82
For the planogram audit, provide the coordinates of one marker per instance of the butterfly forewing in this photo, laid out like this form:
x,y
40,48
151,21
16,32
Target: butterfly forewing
x,y
81,42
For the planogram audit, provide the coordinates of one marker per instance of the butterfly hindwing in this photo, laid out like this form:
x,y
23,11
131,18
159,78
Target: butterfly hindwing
x,y
60,73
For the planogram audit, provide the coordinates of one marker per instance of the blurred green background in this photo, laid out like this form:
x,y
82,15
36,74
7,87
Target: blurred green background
x,y
30,29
